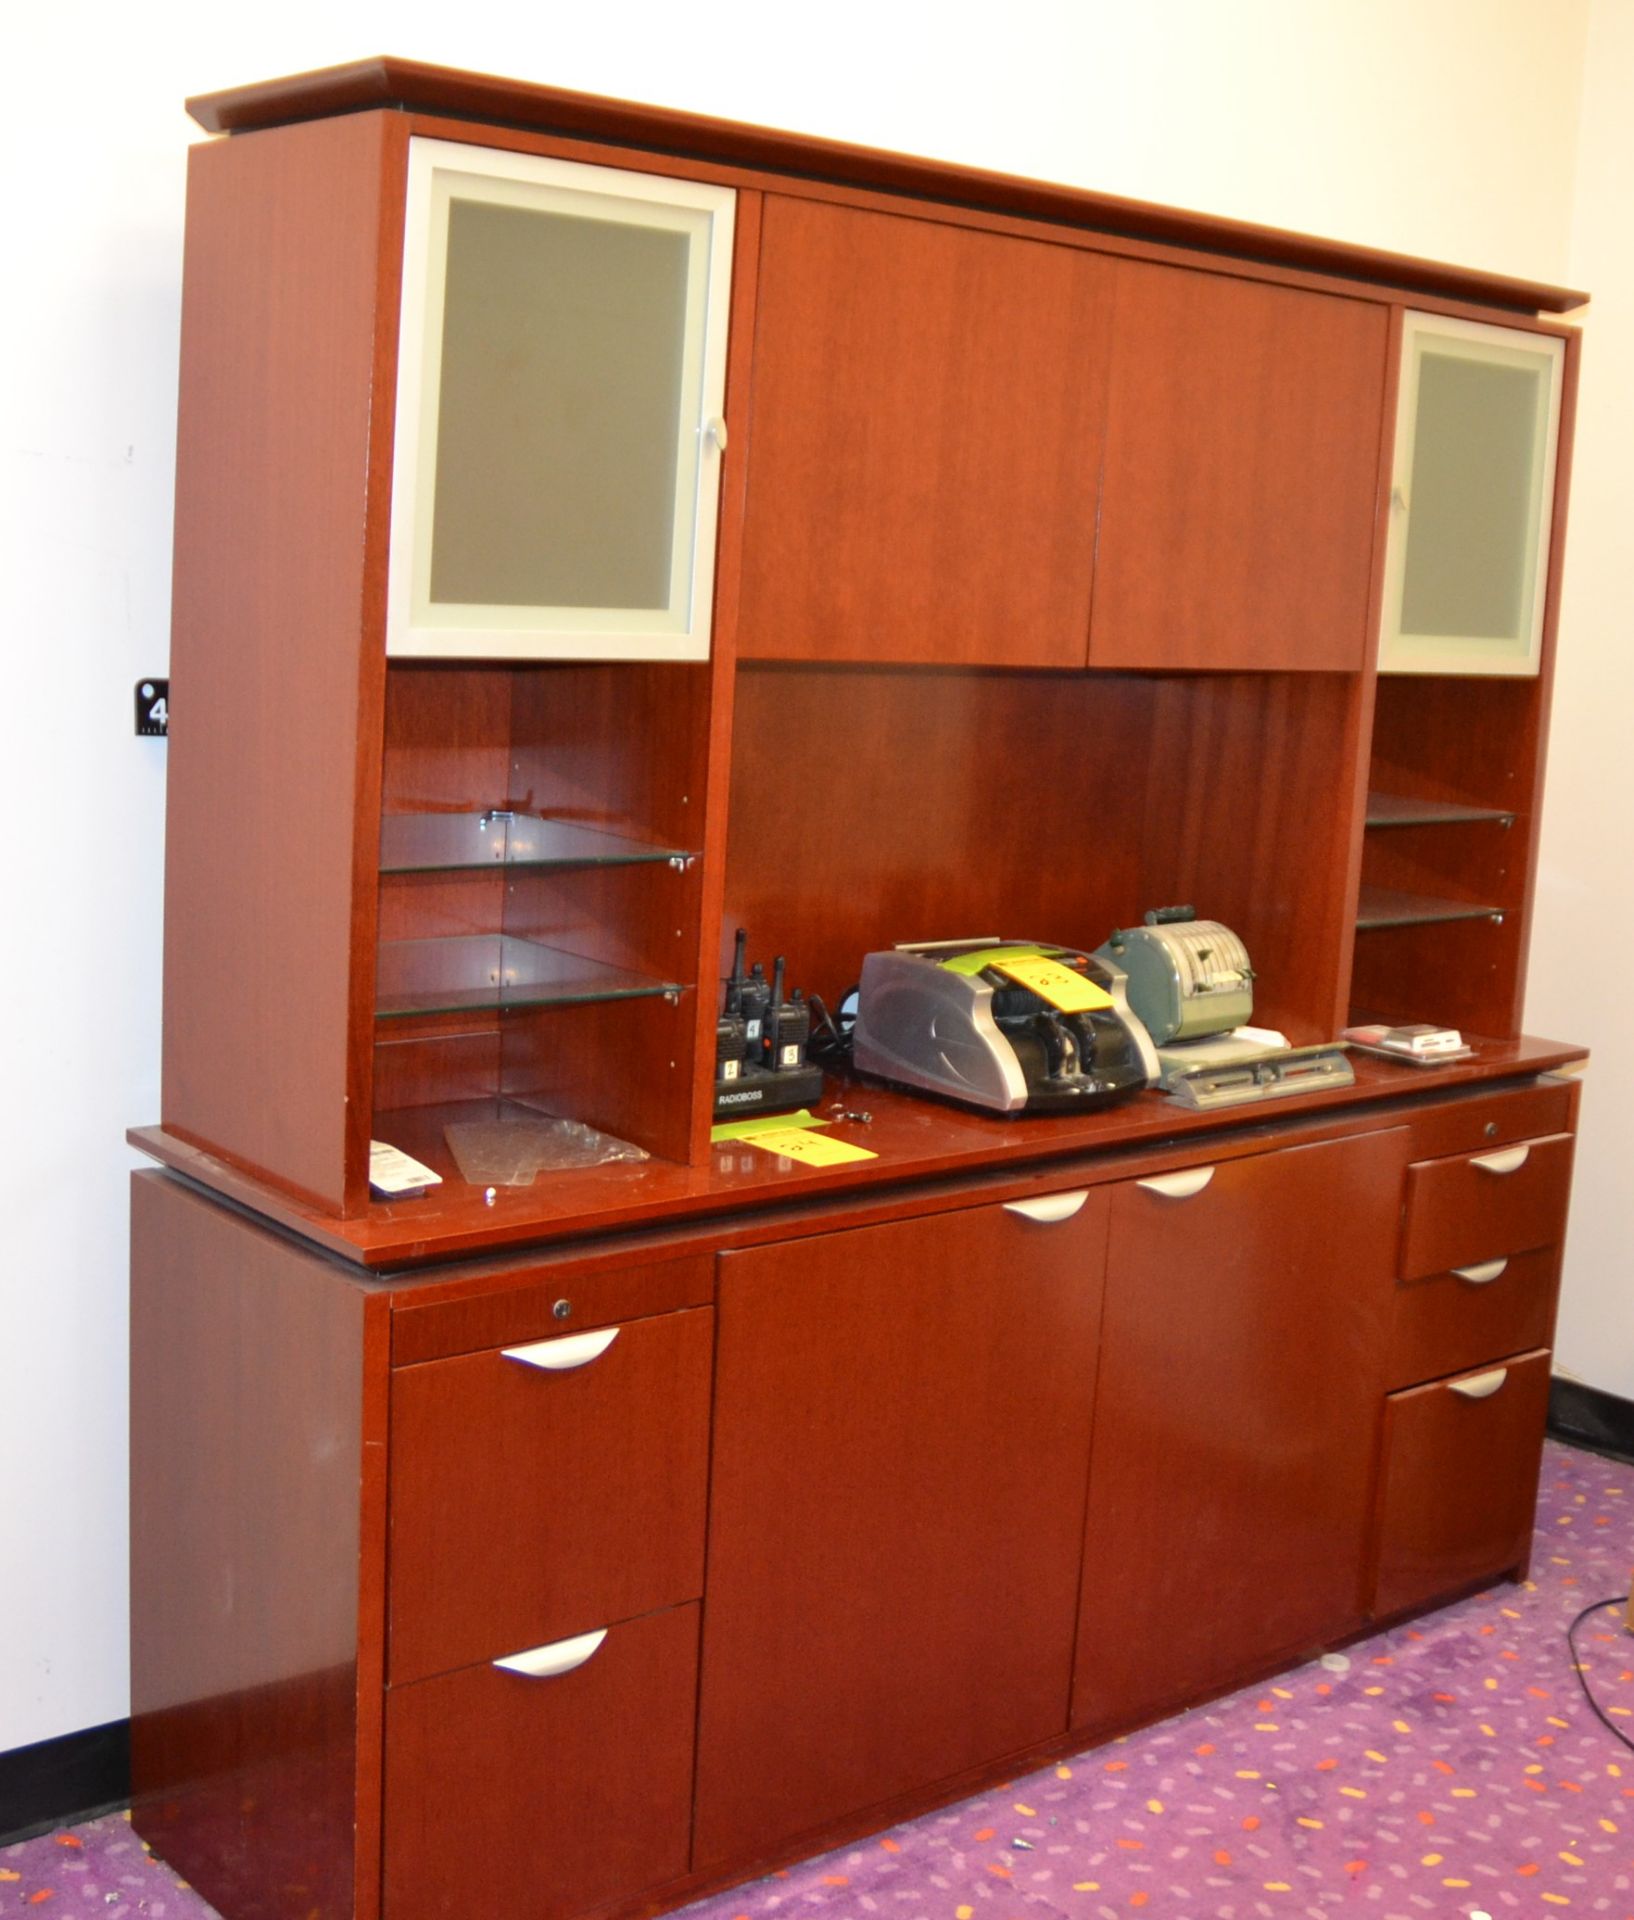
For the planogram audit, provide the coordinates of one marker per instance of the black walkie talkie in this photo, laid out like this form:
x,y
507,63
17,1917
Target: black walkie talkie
x,y
760,1043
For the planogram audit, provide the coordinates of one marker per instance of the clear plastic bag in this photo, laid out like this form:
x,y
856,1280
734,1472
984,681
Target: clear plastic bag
x,y
509,1150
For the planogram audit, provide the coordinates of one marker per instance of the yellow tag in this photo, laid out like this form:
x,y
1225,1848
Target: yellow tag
x,y
762,1123
1061,986
810,1149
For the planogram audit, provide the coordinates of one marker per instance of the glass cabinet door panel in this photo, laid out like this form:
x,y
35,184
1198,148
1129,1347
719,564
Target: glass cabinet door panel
x,y
561,367
1472,489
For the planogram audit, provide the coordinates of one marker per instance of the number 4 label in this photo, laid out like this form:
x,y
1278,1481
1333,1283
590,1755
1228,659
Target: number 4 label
x,y
153,706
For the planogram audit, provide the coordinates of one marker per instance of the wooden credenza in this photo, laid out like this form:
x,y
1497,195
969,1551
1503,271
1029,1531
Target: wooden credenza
x,y
621,1571
662,1521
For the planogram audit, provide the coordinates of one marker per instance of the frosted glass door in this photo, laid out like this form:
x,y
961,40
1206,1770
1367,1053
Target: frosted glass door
x,y
1472,490
560,384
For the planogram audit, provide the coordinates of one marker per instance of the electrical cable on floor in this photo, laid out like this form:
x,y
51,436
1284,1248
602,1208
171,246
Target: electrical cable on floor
x,y
1616,1600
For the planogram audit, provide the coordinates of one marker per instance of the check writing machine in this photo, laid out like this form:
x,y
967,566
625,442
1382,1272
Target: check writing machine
x,y
1020,1027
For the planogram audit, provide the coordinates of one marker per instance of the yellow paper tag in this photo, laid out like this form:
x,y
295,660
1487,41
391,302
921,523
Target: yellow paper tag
x,y
1061,986
762,1123
810,1149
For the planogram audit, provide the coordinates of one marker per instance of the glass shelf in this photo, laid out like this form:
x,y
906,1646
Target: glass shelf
x,y
445,842
1391,810
1386,907
494,970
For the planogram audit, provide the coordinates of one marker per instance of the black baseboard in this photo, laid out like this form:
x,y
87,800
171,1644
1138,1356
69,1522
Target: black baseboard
x,y
1587,1417
55,1782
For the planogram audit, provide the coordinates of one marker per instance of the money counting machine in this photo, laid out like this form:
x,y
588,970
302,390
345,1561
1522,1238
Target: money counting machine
x,y
1014,1027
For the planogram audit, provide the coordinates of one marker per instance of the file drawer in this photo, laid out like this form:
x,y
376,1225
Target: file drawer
x,y
1459,1482
1476,1206
1480,1312
573,1786
543,1490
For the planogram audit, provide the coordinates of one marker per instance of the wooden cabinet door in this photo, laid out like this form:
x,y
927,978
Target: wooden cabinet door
x,y
1242,474
1459,1481
1236,1421
547,1794
546,1489
561,360
901,1442
924,445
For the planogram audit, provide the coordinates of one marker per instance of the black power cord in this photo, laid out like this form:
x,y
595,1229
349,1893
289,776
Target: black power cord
x,y
1616,1600
830,1043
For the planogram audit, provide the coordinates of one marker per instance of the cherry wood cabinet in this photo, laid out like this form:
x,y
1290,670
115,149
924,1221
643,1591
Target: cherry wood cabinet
x,y
901,1440
1044,592
1246,1310
997,1464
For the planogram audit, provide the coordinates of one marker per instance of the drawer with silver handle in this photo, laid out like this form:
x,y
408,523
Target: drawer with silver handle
x,y
1459,1482
1476,1207
1446,1322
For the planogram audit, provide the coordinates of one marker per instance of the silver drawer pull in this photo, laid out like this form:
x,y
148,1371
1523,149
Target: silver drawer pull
x,y
1511,1160
561,1656
1178,1186
1482,1275
1049,1207
1479,1386
558,1356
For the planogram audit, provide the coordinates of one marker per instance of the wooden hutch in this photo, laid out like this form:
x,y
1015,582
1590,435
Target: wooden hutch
x,y
1020,561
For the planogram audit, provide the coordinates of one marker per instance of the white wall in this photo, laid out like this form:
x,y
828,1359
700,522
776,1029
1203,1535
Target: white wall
x,y
1585,898
1442,127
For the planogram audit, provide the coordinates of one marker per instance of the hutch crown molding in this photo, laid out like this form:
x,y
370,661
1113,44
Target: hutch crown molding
x,y
598,527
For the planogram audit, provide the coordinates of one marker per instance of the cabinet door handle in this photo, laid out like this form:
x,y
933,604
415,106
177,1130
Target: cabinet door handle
x,y
1178,1186
1510,1160
558,1356
1049,1206
561,1656
1479,1386
1482,1275
715,432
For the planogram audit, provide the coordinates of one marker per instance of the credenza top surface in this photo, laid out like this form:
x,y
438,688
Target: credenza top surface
x,y
914,1140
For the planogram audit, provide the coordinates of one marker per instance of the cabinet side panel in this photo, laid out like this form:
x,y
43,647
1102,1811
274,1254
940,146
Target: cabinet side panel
x,y
246,1456
275,741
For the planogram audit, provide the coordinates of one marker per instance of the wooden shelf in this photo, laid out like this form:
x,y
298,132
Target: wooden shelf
x,y
1395,810
1382,907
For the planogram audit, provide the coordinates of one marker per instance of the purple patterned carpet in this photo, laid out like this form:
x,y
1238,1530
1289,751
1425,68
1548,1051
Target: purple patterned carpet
x,y
1454,1770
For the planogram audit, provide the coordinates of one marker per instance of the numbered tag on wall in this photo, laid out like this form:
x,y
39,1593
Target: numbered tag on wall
x,y
153,706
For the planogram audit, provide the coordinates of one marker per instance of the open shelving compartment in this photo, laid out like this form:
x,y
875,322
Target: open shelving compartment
x,y
539,900
939,803
1450,837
